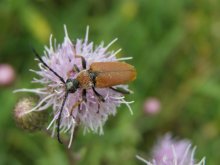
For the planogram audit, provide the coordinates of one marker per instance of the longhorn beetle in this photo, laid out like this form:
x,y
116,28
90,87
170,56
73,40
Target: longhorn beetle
x,y
99,75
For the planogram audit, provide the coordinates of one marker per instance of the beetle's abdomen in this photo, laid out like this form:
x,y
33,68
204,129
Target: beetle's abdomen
x,y
112,73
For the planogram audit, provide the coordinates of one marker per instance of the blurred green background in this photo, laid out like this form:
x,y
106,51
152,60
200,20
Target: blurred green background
x,y
175,45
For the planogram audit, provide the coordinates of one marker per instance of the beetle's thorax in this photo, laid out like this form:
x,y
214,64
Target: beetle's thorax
x,y
84,79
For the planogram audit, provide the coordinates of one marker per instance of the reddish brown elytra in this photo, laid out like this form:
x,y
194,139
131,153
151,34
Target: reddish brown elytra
x,y
106,74
99,75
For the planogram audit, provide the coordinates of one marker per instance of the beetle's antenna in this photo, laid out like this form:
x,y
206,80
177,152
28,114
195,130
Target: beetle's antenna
x,y
60,115
41,60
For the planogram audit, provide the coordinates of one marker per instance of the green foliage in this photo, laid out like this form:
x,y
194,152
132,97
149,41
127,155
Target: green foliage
x,y
175,48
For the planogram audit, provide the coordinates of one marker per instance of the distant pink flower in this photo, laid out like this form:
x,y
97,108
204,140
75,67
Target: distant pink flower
x,y
151,106
169,151
7,74
61,58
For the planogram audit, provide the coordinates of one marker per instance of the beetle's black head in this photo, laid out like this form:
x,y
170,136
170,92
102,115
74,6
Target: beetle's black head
x,y
72,85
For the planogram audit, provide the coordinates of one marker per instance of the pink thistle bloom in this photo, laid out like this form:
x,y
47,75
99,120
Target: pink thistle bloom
x,y
92,114
7,74
151,106
169,151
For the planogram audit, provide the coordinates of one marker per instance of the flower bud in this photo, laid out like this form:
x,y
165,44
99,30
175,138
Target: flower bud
x,y
31,121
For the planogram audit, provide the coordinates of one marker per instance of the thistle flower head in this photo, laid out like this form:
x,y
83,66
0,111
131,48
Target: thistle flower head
x,y
29,121
62,58
169,151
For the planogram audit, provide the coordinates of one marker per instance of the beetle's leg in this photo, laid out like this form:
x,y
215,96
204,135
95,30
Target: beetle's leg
x,y
84,95
120,90
79,108
98,107
77,104
98,95
82,58
83,61
75,68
